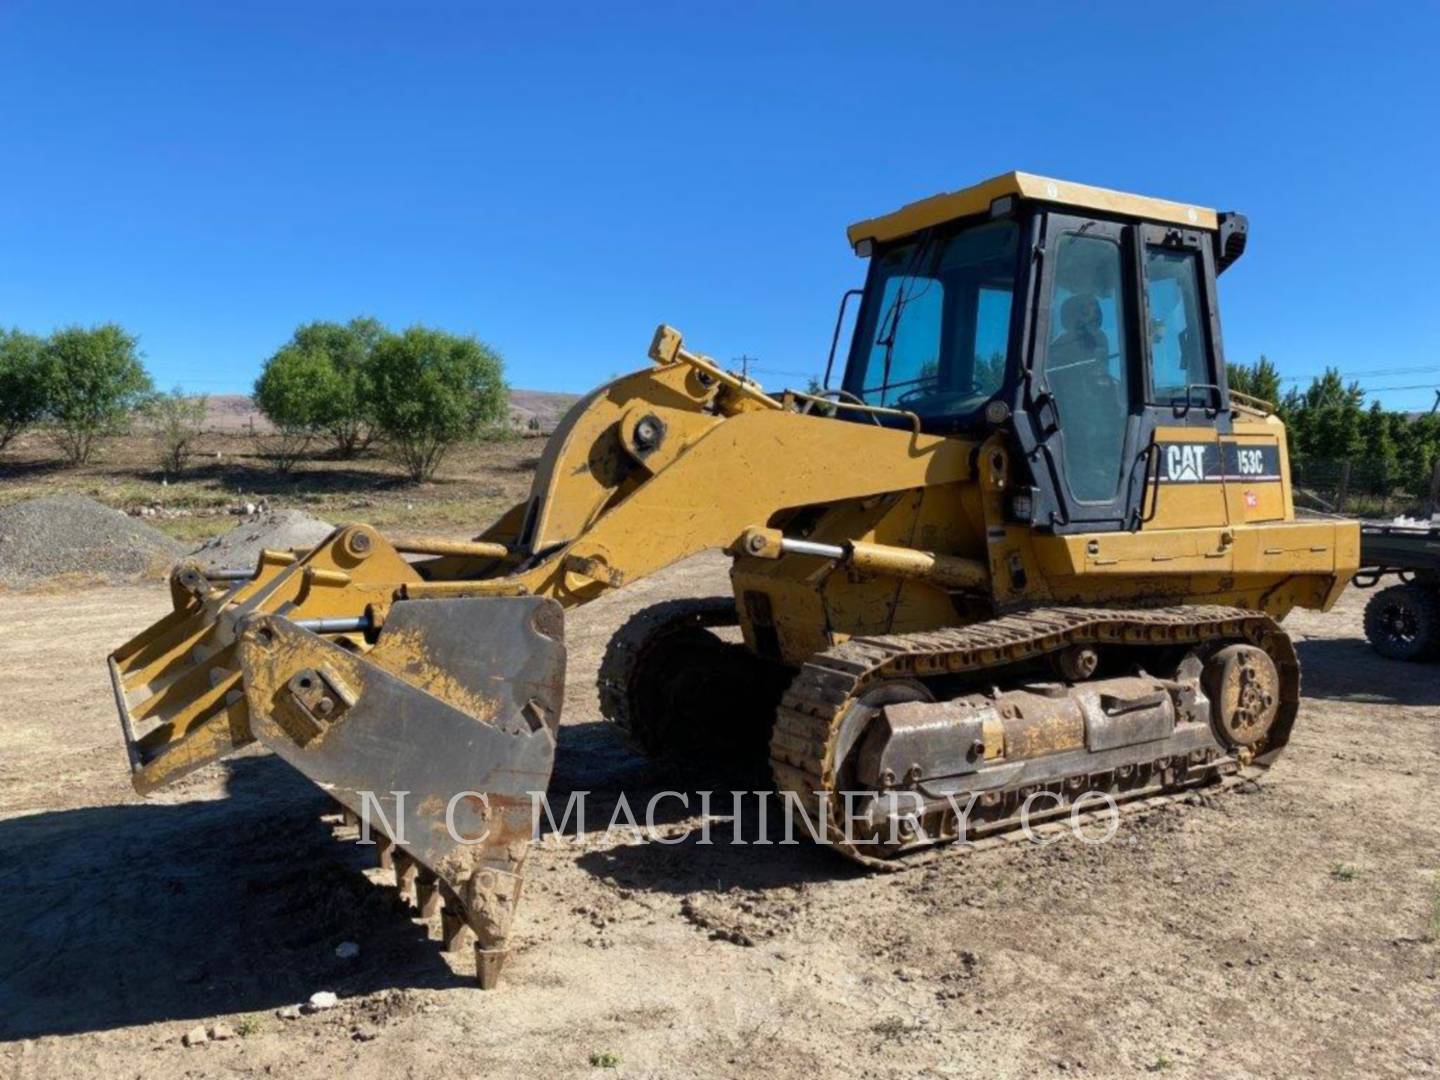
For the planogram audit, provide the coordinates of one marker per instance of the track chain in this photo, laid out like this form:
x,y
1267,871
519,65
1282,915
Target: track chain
x,y
627,649
803,747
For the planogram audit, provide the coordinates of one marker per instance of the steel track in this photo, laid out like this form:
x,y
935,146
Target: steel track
x,y
804,747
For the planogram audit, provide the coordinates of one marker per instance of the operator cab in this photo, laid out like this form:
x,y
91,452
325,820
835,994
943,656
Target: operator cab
x,y
1019,303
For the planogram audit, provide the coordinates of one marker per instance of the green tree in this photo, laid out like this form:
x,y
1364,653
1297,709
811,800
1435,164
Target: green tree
x,y
290,391
318,383
176,420
1418,448
432,390
1326,421
93,382
22,384
1262,380
1380,465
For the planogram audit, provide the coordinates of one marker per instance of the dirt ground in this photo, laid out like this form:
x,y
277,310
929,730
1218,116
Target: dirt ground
x,y
1285,931
232,469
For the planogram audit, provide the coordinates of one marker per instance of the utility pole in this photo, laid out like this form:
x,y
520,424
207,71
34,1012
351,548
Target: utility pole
x,y
745,361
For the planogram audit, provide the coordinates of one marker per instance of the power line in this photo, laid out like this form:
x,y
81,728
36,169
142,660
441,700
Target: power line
x,y
1387,389
1423,369
784,373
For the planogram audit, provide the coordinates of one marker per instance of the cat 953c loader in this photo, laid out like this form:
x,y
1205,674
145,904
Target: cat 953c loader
x,y
1029,542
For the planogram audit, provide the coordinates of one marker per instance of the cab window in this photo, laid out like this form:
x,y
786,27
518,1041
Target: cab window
x,y
1177,337
934,331
905,359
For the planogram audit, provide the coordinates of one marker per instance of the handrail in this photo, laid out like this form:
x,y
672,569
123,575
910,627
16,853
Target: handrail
x,y
1253,404
835,338
877,410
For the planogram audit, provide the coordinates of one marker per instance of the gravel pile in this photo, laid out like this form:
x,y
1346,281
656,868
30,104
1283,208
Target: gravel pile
x,y
239,549
70,534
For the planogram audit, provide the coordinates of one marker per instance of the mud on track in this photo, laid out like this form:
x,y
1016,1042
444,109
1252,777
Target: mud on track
x,y
1281,932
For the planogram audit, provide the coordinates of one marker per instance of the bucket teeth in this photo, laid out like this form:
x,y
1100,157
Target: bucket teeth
x,y
475,916
455,931
488,964
406,873
385,853
427,894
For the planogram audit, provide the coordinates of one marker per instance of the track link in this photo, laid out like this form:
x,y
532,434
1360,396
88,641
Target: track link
x,y
628,649
804,747
680,693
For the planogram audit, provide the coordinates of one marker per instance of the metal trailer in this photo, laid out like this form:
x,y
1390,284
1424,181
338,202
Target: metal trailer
x,y
1403,620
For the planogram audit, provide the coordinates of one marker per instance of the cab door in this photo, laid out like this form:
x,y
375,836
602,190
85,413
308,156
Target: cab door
x,y
1193,461
1082,424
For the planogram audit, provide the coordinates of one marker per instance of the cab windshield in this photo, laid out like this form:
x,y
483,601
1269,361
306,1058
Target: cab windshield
x,y
934,326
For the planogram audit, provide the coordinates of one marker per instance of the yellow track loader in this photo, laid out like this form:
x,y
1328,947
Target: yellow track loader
x,y
1029,543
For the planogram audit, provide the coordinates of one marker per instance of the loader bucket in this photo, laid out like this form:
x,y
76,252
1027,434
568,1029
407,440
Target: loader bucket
x,y
433,722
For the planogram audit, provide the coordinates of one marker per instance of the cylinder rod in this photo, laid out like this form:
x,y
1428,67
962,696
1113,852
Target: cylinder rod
x,y
809,547
228,575
334,626
432,545
949,571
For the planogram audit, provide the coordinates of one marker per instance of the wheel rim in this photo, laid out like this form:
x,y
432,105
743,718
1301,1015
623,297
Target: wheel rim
x,y
1400,624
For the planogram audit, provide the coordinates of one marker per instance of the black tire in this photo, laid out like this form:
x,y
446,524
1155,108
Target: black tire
x,y
1403,622
681,694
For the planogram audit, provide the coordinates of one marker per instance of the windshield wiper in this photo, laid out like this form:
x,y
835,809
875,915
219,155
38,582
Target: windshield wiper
x,y
924,244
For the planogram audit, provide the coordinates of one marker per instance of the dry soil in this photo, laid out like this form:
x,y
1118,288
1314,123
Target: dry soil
x,y
1287,930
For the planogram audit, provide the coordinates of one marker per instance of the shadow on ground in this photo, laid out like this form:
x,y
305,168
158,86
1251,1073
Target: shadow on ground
x,y
112,916
668,803
22,470
119,915
261,476
1348,669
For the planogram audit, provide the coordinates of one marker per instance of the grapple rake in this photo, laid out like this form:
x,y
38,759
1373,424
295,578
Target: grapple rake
x,y
433,717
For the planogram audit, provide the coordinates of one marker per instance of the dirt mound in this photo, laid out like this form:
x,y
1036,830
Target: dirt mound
x,y
239,548
72,535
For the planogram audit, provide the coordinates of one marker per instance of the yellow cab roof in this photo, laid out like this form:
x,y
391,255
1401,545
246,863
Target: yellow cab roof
x,y
976,200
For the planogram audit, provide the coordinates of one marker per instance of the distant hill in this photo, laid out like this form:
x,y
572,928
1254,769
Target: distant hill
x,y
237,412
546,405
233,412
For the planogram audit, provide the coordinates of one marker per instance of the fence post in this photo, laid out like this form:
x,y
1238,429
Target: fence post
x,y
1344,488
1435,490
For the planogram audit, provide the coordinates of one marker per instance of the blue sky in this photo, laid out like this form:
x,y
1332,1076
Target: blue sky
x,y
558,178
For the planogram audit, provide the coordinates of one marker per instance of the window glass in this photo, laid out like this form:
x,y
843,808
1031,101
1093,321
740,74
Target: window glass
x,y
934,332
1086,366
1177,341
905,358
992,338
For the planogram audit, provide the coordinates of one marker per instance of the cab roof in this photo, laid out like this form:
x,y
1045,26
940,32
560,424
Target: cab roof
x,y
976,200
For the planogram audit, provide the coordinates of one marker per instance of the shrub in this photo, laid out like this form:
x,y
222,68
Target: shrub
x,y
432,390
22,384
318,383
177,419
285,447
93,381
288,392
